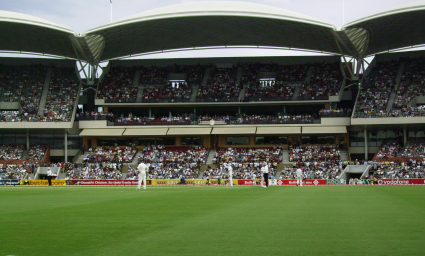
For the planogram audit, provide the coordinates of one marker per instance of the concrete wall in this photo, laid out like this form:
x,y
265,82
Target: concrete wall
x,y
286,60
387,120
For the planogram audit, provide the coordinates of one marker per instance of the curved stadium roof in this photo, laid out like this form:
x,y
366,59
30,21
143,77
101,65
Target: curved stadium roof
x,y
400,27
213,24
203,25
29,34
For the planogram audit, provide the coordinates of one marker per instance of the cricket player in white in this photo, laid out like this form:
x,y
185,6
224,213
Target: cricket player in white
x,y
230,170
299,174
141,170
254,179
265,172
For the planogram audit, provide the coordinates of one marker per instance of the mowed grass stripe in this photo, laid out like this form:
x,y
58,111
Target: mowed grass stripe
x,y
213,220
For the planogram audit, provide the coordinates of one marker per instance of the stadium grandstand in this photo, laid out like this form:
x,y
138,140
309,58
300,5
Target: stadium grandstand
x,y
194,117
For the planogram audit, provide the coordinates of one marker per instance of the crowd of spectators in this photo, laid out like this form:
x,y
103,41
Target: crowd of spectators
x,y
171,92
37,152
398,170
15,171
388,149
245,161
111,154
279,83
11,116
93,115
339,112
94,171
153,75
414,149
375,91
11,152
173,162
188,119
62,95
311,153
22,84
412,83
117,85
413,111
183,119
220,86
315,170
325,81
275,119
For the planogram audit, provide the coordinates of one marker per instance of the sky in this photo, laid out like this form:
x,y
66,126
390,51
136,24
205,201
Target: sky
x,y
82,15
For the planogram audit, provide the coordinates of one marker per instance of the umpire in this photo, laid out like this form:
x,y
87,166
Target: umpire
x,y
265,171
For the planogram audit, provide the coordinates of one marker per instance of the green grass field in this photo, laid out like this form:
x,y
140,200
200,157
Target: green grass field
x,y
328,220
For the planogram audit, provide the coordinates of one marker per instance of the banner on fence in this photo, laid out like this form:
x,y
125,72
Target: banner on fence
x,y
401,181
46,182
9,182
105,182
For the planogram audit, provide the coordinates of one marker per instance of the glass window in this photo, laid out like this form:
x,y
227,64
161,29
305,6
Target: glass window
x,y
306,140
123,141
192,140
237,140
372,139
35,139
166,141
9,139
21,139
271,140
420,134
58,141
75,141
106,142
145,141
325,140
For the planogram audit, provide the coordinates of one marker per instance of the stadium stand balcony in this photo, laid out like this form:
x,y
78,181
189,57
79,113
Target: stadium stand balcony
x,y
315,170
271,82
412,84
325,81
11,152
62,95
117,86
340,112
398,170
318,153
94,171
375,91
160,85
22,84
37,152
414,149
112,155
174,162
388,149
220,87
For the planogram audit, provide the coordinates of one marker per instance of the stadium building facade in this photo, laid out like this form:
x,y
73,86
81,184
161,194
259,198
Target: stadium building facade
x,y
238,102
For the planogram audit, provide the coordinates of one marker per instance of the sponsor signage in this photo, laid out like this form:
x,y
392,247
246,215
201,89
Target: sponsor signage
x,y
335,181
276,182
46,182
105,182
312,182
401,182
9,182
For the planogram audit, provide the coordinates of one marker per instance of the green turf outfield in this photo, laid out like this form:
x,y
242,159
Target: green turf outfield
x,y
328,220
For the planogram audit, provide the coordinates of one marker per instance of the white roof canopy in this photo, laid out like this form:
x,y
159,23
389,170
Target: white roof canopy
x,y
218,24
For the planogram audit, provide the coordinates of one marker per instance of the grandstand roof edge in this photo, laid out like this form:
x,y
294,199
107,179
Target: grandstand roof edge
x,y
411,7
7,16
217,8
